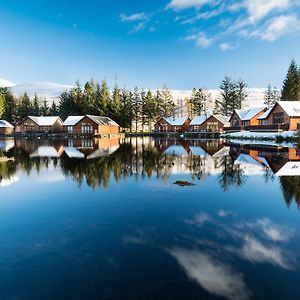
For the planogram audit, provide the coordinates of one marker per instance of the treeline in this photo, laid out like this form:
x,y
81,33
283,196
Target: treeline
x,y
140,109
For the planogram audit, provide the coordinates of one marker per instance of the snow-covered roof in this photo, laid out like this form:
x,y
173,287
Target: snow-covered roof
x,y
44,121
72,120
221,118
5,124
178,121
103,152
176,150
198,151
265,115
102,120
291,168
292,108
45,151
73,152
248,114
198,120
7,144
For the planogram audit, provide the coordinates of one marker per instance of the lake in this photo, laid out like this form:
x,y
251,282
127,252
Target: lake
x,y
103,219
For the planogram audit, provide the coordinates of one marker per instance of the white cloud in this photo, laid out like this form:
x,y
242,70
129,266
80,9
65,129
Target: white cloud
x,y
226,46
224,213
200,39
183,4
211,274
258,9
6,83
133,17
277,27
139,27
255,251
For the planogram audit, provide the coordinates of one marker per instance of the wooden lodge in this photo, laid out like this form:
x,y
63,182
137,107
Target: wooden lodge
x,y
213,123
284,115
33,124
171,124
6,128
90,125
245,119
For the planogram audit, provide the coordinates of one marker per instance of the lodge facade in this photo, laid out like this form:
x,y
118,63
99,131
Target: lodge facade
x,y
213,123
178,124
33,124
90,125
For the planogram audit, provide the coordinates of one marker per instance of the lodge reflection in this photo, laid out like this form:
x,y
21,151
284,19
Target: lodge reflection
x,y
97,161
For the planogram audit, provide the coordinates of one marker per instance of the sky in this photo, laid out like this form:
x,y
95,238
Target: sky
x,y
181,43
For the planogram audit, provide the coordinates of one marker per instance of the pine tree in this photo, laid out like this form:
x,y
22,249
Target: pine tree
x,y
24,106
232,96
126,110
291,84
241,94
115,106
53,109
45,108
136,107
198,102
78,99
102,99
150,108
271,96
35,106
2,105
66,105
168,103
10,112
159,104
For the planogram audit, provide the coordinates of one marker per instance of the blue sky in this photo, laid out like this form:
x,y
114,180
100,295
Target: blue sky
x,y
184,43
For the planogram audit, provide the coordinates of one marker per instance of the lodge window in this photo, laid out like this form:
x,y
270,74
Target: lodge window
x,y
70,129
28,127
235,122
45,128
212,126
278,118
246,123
86,143
87,128
263,122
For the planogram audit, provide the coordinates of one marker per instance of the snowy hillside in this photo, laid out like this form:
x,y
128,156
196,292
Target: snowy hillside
x,y
45,90
6,83
51,91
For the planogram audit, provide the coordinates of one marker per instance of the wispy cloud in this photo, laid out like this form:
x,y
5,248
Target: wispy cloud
x,y
211,274
277,27
184,4
133,17
200,38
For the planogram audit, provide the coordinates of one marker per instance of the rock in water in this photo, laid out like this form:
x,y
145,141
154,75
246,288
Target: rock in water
x,y
183,183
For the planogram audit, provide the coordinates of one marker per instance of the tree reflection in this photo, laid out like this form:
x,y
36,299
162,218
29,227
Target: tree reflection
x,y
290,186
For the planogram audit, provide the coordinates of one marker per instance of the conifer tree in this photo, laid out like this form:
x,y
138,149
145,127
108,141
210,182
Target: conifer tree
x,y
53,110
45,108
271,96
78,99
66,105
150,109
198,102
35,106
2,105
241,94
136,107
24,106
291,84
10,112
168,103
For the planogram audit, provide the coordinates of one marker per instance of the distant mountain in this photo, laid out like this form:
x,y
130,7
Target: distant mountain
x,y
6,83
45,90
51,92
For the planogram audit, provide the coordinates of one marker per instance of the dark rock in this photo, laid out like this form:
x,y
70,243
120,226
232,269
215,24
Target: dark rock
x,y
183,183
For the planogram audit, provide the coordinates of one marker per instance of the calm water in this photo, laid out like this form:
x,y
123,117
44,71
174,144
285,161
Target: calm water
x,y
102,219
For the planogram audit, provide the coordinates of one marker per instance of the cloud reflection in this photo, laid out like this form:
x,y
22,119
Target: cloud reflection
x,y
211,274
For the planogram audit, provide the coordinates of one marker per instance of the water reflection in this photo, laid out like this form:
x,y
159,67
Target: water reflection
x,y
96,161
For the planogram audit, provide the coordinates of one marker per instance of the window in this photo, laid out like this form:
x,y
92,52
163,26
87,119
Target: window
x,y
235,122
86,128
278,118
86,143
263,122
246,123
212,126
70,129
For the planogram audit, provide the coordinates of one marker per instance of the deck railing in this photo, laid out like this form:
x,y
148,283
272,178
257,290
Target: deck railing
x,y
274,127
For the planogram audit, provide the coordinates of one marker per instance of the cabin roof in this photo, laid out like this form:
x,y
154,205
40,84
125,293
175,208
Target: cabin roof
x,y
221,118
5,124
44,121
45,151
198,120
178,121
292,108
73,152
72,120
248,114
291,168
266,114
102,120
